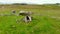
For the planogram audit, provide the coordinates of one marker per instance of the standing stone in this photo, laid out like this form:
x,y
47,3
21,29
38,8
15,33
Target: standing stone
x,y
27,18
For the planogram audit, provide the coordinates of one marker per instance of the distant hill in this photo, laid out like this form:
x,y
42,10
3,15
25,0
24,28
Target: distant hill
x,y
19,4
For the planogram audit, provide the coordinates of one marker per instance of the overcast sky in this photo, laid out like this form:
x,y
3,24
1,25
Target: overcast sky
x,y
30,1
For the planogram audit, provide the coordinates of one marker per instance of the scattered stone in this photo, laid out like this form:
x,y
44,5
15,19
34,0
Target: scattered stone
x,y
13,12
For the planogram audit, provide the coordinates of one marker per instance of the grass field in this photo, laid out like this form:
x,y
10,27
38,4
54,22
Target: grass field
x,y
46,20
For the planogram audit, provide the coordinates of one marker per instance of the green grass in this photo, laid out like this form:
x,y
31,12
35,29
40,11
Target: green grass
x,y
40,24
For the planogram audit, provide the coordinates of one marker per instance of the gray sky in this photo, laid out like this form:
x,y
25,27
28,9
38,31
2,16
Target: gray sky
x,y
30,1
